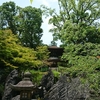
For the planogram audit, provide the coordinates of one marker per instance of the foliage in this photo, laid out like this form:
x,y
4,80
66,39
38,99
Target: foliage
x,y
31,1
31,20
76,22
83,61
12,54
42,53
75,34
88,68
7,12
25,22
56,73
37,76
1,89
87,49
77,26
53,43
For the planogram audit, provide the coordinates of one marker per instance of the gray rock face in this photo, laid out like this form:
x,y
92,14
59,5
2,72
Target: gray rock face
x,y
48,80
12,78
16,98
68,89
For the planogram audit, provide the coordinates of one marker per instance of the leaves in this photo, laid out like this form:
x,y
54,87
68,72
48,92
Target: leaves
x,y
13,55
31,1
25,22
83,61
75,20
31,31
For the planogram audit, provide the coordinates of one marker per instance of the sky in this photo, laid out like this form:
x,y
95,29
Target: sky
x,y
47,36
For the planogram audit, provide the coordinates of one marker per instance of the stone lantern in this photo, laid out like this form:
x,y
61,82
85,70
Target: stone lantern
x,y
25,87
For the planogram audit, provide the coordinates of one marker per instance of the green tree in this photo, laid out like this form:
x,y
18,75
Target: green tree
x,y
13,55
7,12
75,21
53,43
26,22
31,20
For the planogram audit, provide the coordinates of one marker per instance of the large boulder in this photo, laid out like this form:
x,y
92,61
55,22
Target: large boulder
x,y
16,97
68,89
13,79
48,80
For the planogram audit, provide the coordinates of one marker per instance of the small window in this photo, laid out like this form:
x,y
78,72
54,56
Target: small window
x,y
24,95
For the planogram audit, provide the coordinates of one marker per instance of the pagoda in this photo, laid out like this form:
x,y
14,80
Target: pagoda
x,y
55,55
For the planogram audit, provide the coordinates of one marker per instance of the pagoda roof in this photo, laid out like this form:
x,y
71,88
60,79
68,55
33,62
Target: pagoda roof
x,y
55,51
53,59
54,47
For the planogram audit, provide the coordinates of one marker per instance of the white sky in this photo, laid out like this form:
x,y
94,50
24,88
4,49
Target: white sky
x,y
47,36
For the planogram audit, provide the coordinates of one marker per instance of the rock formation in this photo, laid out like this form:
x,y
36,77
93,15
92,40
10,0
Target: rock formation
x,y
48,80
16,97
68,89
13,79
65,88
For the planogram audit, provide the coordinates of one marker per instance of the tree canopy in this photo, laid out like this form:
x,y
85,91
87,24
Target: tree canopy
x,y
31,26
13,55
76,22
26,22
